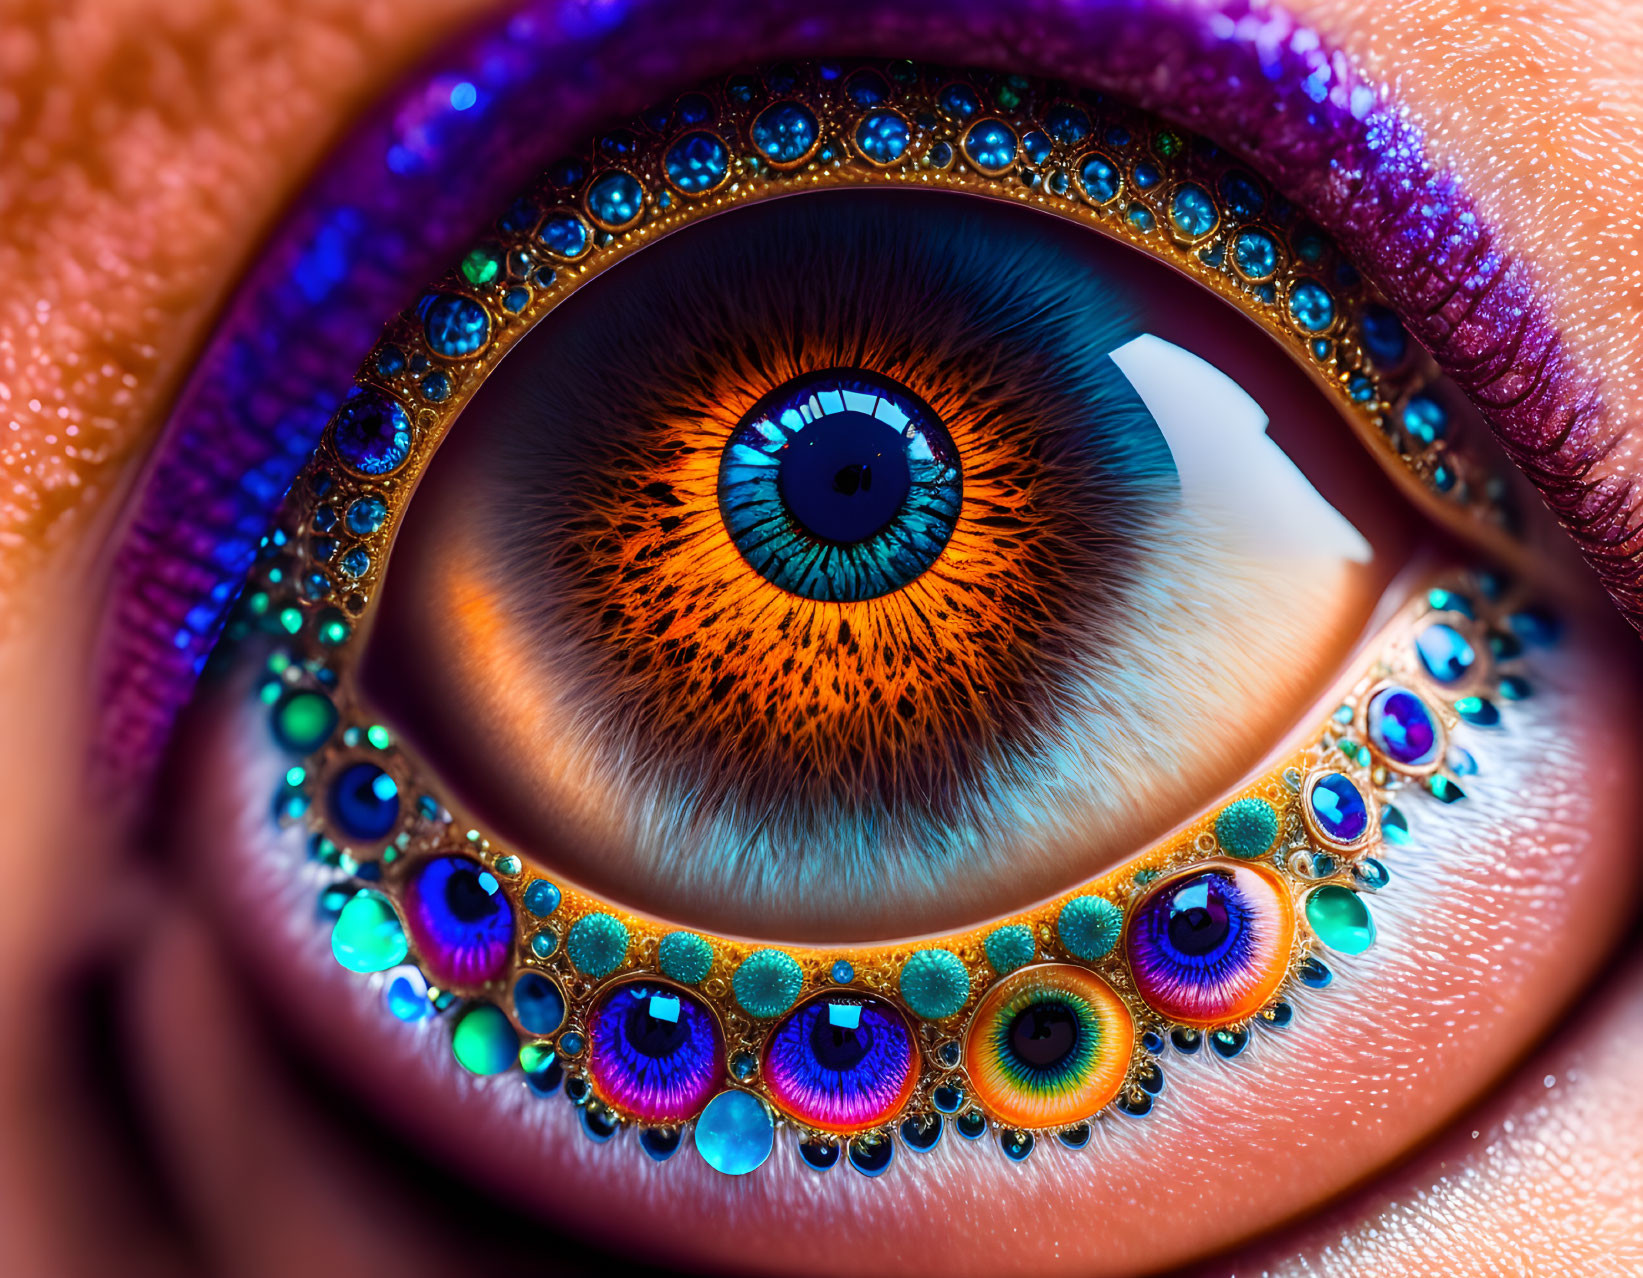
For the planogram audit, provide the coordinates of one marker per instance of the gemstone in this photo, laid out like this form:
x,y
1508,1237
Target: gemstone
x,y
538,1004
971,1124
364,801
1394,826
304,721
356,563
1403,728
1311,306
1036,146
1193,211
1242,194
958,100
1147,176
1140,218
882,137
684,957
1313,973
767,983
1383,336
1338,808
483,1041
947,1099
934,984
735,1134
866,88
615,200
785,132
545,1081
1067,123
1074,1137
1229,1042
455,325
922,1132
435,387
1136,1103
407,996
871,1155
1247,827
564,235
597,944
516,299
1255,254
1445,652
390,360
482,265
1340,919
571,1043
697,162
372,433
1009,947
1461,762
509,865
1371,874
1099,179
1186,1040
1479,711
367,936
819,1155
1118,136
1016,1145
1149,1078
661,1143
544,943
940,155
1444,790
990,146
842,972
598,1125
744,1065
542,898
1425,419
1089,926
1535,626
1514,687
1280,1015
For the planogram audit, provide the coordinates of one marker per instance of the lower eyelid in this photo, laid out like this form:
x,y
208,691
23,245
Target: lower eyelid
x,y
1458,982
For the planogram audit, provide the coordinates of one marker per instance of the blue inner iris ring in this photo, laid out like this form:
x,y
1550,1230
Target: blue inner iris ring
x,y
840,486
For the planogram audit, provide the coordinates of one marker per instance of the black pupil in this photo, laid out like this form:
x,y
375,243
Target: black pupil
x,y
654,1036
467,901
1198,922
838,1048
844,477
1044,1035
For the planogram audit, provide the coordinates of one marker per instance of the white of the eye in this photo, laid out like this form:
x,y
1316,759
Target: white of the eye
x,y
1217,435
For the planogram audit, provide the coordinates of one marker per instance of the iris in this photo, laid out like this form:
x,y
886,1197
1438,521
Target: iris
x,y
841,1063
461,921
655,1051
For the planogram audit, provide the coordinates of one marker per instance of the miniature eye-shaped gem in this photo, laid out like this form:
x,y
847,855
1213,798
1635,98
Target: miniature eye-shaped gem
x,y
654,1051
1211,946
1048,1046
1403,729
841,1063
460,920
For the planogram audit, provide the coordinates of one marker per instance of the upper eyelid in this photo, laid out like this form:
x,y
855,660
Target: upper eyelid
x,y
527,70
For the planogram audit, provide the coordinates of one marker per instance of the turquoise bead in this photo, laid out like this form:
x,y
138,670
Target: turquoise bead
x,y
598,944
1340,919
483,1041
1247,828
1009,947
684,957
767,983
934,984
1089,926
367,936
735,1133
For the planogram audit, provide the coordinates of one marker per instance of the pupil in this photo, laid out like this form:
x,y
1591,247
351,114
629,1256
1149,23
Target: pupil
x,y
837,1048
467,901
828,473
1198,923
651,1036
1044,1035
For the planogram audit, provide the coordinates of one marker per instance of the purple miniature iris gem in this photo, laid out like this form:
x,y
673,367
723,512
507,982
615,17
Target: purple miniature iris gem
x,y
372,433
1402,728
1338,808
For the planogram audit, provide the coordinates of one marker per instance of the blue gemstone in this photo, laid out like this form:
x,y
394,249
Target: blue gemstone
x,y
958,100
1036,146
542,898
1118,136
1099,179
1383,336
1479,711
1339,808
516,299
1147,176
1192,211
407,996
364,802
1425,419
1242,194
922,1132
1402,728
390,360
871,1155
882,137
1016,1145
372,433
356,563
866,88
1445,652
1311,306
1140,218
564,234
697,163
971,1124
990,144
735,1134
538,1004
455,325
1255,253
693,108
941,155
784,132
843,973
819,1155
436,386
367,515
616,200
1067,123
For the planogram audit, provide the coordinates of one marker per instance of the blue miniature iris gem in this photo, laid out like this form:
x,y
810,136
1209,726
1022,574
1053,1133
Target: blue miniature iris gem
x,y
1338,808
1425,419
455,325
364,801
990,146
1384,336
735,1133
697,162
372,433
1099,179
882,137
866,88
784,132
436,386
1311,306
1192,211
1036,146
1147,176
564,234
367,515
840,486
1445,652
538,1004
958,100
616,199
1067,123
1402,728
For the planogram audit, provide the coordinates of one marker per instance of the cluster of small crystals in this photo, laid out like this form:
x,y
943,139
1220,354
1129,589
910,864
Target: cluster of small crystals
x,y
1318,824
815,125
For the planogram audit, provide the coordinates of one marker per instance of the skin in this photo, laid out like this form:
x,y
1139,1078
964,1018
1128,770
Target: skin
x,y
145,148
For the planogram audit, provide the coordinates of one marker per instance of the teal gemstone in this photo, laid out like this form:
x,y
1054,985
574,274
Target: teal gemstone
x,y
735,1133
597,944
367,936
483,1041
304,721
543,944
767,983
1311,306
684,957
1394,826
1247,828
1445,790
934,984
843,973
1478,710
1089,926
542,898
1193,211
1340,919
1255,253
1009,947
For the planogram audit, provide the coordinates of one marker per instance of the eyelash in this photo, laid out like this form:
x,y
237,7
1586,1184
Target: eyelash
x,y
349,501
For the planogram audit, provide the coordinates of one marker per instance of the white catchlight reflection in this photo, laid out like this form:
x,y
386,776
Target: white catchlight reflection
x,y
1217,435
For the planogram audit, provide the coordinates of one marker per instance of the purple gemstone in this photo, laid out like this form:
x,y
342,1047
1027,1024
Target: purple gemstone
x,y
1338,808
372,433
1402,728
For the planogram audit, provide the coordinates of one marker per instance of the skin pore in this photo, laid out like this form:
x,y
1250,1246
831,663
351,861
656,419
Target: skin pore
x,y
146,147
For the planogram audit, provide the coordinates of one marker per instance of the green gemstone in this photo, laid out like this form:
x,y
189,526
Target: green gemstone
x,y
304,721
1168,145
367,936
332,631
598,944
535,1057
1009,947
291,620
509,865
1247,828
1444,789
684,957
483,1041
378,736
1089,926
543,944
481,266
767,983
1340,919
934,984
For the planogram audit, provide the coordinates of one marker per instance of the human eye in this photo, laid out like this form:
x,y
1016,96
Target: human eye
x,y
892,631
